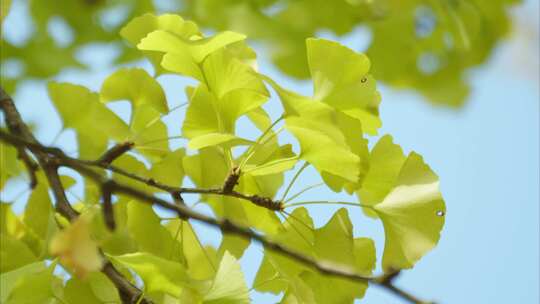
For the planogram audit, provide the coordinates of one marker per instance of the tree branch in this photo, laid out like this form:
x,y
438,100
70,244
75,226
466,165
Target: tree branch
x,y
224,225
18,128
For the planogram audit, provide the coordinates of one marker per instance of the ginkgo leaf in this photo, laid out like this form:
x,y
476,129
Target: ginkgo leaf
x,y
38,212
229,285
11,167
207,160
217,139
279,273
225,74
9,280
198,49
141,26
149,133
212,160
10,223
329,140
145,227
184,55
385,162
201,260
274,166
44,287
158,274
97,288
76,248
169,170
136,86
340,79
80,109
268,157
132,165
233,244
319,148
412,213
14,253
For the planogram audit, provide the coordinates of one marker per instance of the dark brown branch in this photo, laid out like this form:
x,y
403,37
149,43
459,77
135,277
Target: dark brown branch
x,y
30,165
49,164
387,281
224,225
113,153
232,180
108,211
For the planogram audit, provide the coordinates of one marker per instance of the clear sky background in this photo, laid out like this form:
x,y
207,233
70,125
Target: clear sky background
x,y
486,154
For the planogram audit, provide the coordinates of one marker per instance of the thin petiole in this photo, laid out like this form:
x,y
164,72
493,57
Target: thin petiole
x,y
162,139
303,191
298,220
328,203
251,150
304,166
155,120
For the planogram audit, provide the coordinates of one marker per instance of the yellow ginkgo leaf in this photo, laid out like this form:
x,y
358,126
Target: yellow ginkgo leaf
x,y
76,248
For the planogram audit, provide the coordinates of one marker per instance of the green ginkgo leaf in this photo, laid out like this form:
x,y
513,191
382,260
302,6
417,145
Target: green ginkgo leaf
x,y
145,227
320,148
43,284
217,139
97,288
141,26
340,79
185,54
14,254
279,273
11,167
211,121
207,160
136,86
158,274
412,212
229,285
385,162
329,140
10,280
149,133
81,110
170,169
198,48
225,73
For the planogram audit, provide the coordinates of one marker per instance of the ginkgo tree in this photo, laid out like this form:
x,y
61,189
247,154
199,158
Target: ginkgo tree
x,y
112,245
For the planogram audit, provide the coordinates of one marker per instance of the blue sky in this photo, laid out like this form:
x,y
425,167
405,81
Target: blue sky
x,y
486,155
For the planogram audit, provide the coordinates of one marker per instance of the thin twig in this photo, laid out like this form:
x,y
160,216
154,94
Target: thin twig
x,y
225,225
50,159
20,130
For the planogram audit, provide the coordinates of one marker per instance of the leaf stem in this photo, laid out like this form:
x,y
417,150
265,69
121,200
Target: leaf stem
x,y
304,166
251,150
329,203
303,191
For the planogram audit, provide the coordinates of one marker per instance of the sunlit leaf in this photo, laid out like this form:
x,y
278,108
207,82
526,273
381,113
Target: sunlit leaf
x,y
157,273
412,213
229,285
9,280
136,86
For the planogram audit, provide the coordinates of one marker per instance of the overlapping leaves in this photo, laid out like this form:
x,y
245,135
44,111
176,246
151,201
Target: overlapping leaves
x,y
404,193
166,253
